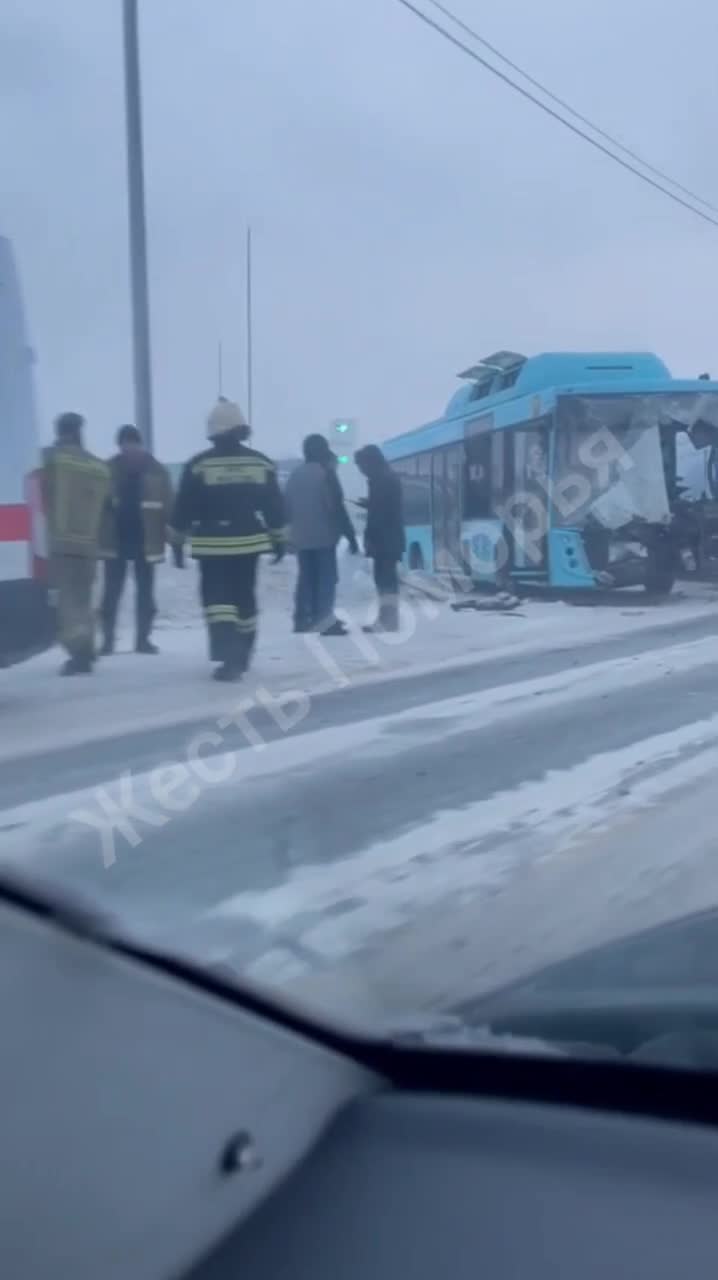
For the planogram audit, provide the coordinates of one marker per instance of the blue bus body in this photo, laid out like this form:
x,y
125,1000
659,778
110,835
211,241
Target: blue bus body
x,y
558,471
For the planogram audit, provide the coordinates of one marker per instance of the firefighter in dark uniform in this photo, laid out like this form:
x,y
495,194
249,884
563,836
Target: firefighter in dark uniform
x,y
230,505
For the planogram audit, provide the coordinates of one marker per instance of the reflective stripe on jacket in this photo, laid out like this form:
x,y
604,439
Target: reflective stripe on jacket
x,y
229,502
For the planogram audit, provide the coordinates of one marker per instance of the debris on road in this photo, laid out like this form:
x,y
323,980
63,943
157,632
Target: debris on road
x,y
501,603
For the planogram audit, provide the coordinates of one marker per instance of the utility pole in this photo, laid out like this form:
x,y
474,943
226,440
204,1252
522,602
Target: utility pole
x,y
142,362
249,326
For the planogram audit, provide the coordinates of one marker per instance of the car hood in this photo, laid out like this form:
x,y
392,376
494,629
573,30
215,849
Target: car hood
x,y
650,996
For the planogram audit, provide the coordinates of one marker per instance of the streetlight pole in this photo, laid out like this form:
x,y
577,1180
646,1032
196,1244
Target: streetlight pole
x,y
249,325
142,362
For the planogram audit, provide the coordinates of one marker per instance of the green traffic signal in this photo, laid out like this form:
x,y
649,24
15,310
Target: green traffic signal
x,y
345,427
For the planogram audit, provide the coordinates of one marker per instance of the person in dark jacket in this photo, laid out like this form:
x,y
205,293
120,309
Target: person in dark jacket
x,y
384,540
318,518
230,505
134,531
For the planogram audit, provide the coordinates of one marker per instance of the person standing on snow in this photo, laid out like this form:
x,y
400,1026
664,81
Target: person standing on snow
x,y
134,531
75,487
230,505
384,540
318,518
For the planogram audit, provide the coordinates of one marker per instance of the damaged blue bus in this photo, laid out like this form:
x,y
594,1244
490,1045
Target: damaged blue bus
x,y
557,470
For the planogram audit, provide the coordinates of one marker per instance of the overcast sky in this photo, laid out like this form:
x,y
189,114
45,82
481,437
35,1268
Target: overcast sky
x,y
410,213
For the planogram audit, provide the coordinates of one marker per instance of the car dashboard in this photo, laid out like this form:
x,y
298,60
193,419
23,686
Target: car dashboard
x,y
159,1122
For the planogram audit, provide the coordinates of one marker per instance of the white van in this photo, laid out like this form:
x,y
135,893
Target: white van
x,y
26,616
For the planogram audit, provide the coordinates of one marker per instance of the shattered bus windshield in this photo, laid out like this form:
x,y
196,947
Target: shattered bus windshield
x,y
615,455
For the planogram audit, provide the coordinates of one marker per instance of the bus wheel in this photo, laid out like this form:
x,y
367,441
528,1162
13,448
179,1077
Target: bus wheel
x,y
416,557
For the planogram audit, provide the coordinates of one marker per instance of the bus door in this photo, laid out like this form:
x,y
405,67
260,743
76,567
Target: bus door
x,y
446,494
526,504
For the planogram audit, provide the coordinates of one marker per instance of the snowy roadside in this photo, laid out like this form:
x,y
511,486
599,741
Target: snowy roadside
x,y
128,692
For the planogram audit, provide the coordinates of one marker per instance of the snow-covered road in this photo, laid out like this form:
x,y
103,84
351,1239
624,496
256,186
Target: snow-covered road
x,y
513,795
130,693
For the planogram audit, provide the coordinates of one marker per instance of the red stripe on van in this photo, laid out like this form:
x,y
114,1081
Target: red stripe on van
x,y
15,523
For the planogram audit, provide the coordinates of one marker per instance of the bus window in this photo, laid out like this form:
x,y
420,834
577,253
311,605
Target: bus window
x,y
423,488
438,503
528,506
415,488
477,477
531,461
498,470
405,466
447,471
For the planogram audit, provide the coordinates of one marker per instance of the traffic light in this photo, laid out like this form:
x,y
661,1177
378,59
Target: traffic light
x,y
345,429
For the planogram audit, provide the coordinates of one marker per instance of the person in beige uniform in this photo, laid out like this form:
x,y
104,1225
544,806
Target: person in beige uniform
x,y
76,488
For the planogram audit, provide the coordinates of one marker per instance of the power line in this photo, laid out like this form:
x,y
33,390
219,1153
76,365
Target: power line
x,y
566,106
555,115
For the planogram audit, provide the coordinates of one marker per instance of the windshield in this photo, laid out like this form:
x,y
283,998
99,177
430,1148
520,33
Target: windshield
x,y
386,706
616,455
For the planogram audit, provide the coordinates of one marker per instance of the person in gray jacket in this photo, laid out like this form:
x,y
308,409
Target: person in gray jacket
x,y
317,520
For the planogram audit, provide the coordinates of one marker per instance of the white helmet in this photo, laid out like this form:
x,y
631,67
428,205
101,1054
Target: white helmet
x,y
225,416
